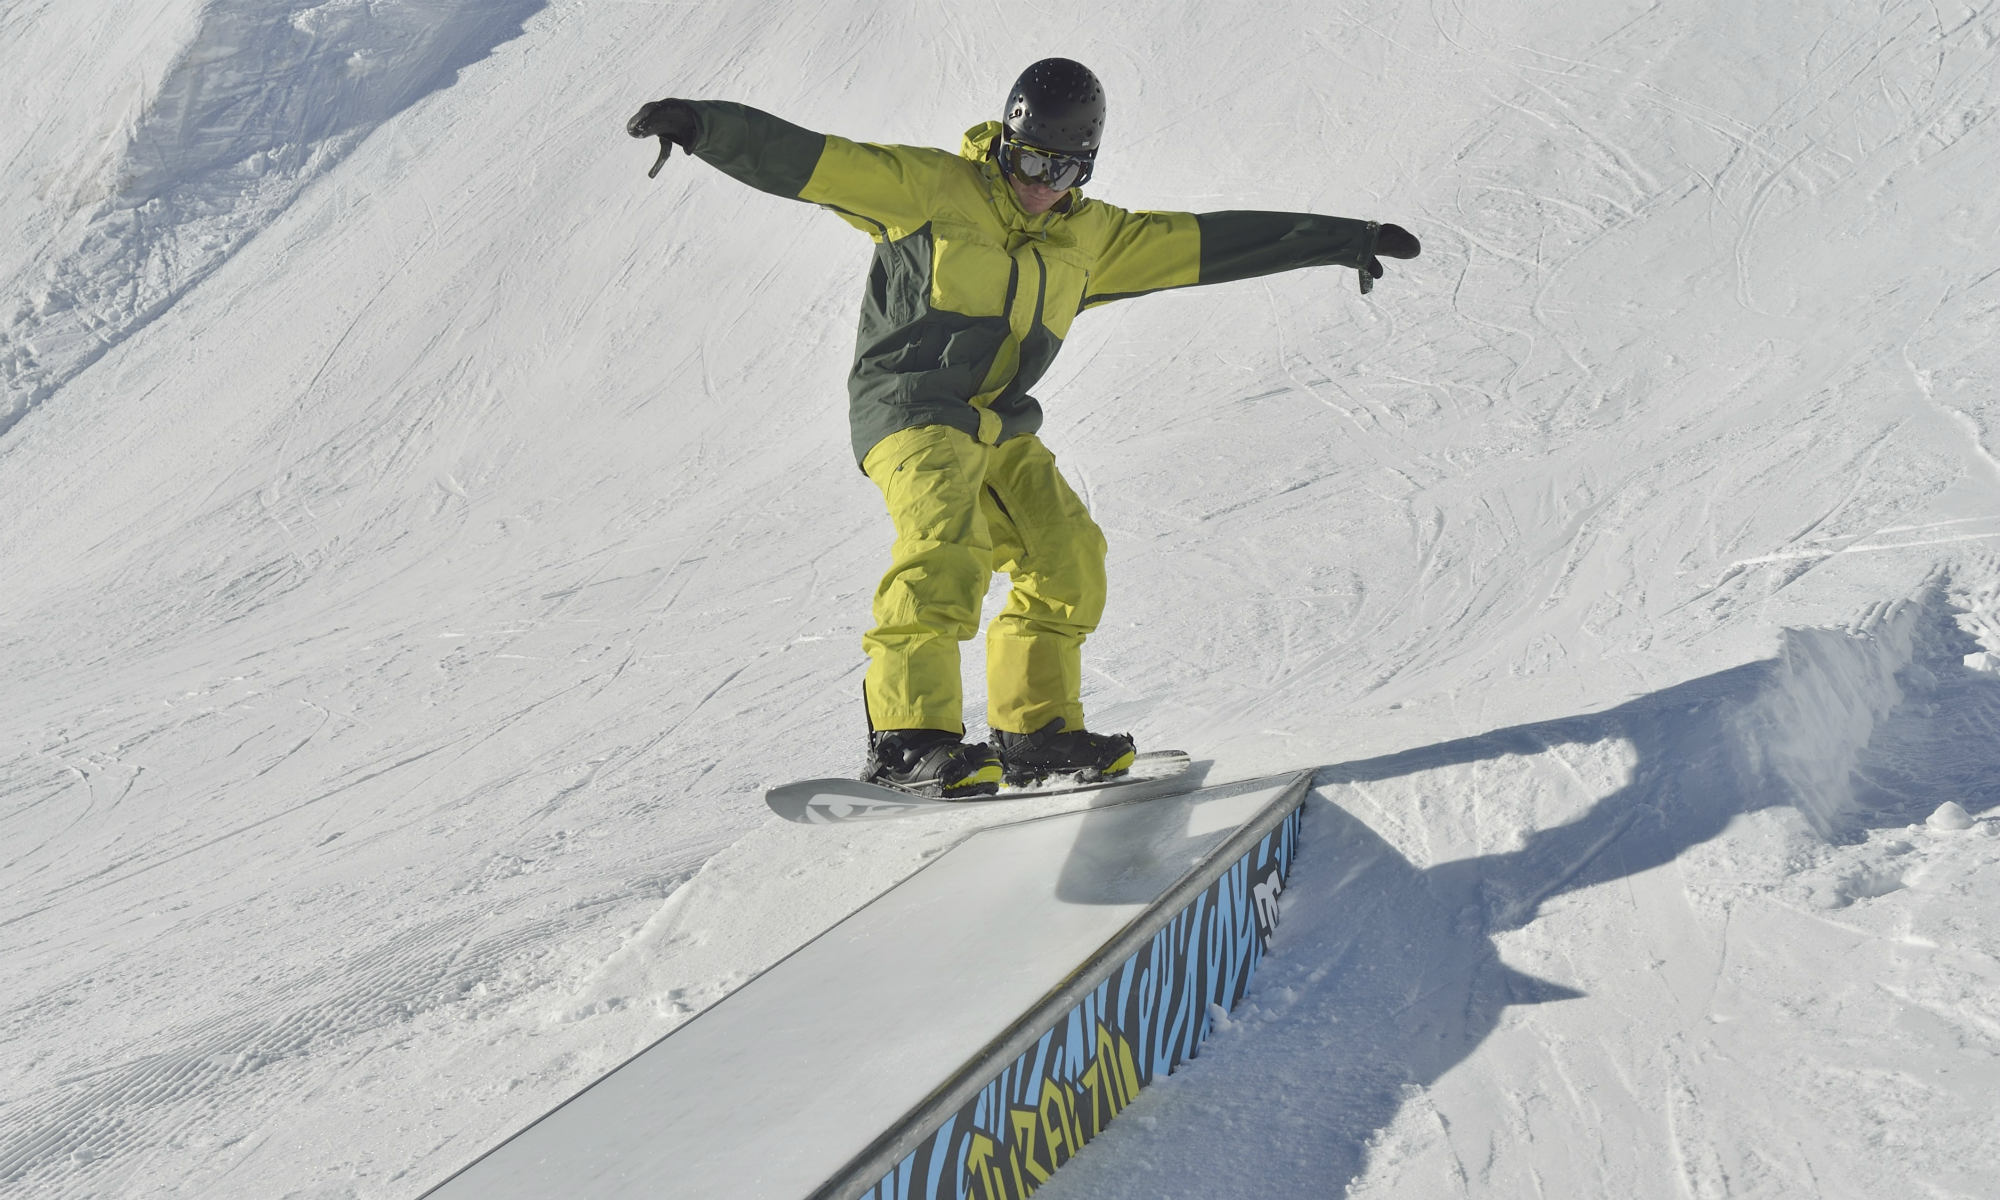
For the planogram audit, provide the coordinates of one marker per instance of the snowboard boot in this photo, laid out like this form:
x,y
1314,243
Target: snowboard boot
x,y
1028,758
932,762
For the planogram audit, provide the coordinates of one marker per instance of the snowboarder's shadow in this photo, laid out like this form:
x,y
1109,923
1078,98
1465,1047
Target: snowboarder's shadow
x,y
1740,740
1389,971
1414,982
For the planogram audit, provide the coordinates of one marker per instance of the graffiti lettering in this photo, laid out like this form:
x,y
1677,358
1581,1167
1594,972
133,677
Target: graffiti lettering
x,y
1266,895
1037,1139
1111,1081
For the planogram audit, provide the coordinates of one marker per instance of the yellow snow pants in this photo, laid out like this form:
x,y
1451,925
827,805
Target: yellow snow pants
x,y
964,510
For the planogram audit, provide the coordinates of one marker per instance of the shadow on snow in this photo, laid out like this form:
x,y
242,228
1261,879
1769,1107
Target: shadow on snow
x,y
1405,979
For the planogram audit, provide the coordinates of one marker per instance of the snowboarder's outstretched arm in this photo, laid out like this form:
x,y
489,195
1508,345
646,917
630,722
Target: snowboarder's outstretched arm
x,y
1152,251
883,190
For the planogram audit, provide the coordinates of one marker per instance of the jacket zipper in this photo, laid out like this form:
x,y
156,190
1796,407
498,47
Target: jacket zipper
x,y
881,229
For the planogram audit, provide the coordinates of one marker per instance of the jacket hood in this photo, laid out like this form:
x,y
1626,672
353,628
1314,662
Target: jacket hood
x,y
980,140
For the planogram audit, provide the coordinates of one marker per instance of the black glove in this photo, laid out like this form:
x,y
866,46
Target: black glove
x,y
1397,242
672,120
1394,241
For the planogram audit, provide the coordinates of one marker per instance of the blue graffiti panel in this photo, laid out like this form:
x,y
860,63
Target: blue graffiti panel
x,y
1145,1019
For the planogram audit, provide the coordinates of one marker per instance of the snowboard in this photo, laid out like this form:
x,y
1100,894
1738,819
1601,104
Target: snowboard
x,y
841,801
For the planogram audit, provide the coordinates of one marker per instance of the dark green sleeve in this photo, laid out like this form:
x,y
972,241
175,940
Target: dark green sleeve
x,y
768,153
1242,245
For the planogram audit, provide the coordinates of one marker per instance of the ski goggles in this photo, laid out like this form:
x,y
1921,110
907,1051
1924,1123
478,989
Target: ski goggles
x,y
1046,167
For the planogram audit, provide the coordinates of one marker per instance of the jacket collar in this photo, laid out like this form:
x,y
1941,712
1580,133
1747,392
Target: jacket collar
x,y
982,145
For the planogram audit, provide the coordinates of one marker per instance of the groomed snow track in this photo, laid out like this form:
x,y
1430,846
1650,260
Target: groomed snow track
x,y
963,1035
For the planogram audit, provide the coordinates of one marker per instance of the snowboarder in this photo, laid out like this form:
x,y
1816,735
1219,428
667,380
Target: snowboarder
x,y
982,260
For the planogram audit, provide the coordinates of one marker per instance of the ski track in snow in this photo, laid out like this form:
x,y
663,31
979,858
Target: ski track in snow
x,y
424,537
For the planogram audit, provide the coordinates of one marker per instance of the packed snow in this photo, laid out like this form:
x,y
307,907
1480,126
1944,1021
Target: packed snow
x,y
422,538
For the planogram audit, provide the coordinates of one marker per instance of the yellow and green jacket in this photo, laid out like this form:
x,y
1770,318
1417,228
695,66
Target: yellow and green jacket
x,y
969,297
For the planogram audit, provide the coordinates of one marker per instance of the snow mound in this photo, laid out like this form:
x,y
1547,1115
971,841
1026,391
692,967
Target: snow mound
x,y
1862,719
1950,815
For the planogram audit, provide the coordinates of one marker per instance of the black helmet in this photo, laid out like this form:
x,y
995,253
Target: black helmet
x,y
1057,105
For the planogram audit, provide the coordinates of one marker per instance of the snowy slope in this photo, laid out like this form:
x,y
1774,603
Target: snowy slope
x,y
423,537
219,118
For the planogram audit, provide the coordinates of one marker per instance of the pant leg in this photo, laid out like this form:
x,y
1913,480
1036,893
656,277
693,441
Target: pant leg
x,y
931,478
1044,539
